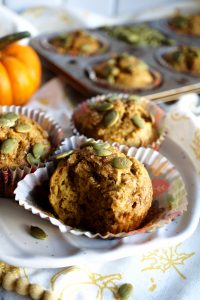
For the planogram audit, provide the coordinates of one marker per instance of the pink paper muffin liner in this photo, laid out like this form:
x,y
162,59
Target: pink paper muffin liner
x,y
169,197
154,109
9,177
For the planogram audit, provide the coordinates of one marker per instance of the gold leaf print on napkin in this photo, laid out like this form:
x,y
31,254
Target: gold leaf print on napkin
x,y
176,116
164,259
196,143
100,282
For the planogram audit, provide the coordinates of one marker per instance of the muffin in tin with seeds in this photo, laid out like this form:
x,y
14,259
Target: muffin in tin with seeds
x,y
127,120
22,141
98,188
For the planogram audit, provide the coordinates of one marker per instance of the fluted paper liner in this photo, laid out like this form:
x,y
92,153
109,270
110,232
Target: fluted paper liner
x,y
10,176
169,200
151,107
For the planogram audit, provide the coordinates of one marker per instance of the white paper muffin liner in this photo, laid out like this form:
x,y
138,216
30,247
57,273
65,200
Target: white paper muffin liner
x,y
10,176
151,107
169,200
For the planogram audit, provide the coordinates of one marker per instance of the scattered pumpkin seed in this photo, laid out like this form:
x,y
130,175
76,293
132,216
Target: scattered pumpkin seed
x,y
115,71
38,233
121,163
31,159
23,128
138,121
104,106
6,123
8,146
111,118
64,154
38,150
103,152
125,291
10,116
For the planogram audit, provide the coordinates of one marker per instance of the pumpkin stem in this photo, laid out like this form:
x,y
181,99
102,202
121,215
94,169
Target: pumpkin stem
x,y
13,37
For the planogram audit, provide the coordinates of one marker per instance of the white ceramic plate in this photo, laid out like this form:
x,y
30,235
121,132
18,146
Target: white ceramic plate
x,y
59,250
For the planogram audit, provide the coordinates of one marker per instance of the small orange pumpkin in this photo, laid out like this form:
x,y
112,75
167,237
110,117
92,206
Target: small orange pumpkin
x,y
20,70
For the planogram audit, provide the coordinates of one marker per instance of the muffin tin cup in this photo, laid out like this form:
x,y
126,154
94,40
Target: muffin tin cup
x,y
154,109
169,199
9,176
159,55
157,80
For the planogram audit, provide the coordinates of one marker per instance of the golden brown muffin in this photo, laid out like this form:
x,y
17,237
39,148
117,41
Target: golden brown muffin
x,y
125,121
77,43
186,24
100,189
125,70
22,141
184,59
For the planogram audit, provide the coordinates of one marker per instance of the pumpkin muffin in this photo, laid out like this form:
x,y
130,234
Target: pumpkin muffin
x,y
123,120
184,59
77,43
100,189
184,24
22,141
124,70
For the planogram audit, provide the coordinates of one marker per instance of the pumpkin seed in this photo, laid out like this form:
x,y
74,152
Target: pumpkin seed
x,y
86,48
104,106
101,145
8,146
125,291
31,159
133,98
64,154
88,143
112,98
103,152
38,233
111,79
111,118
115,71
23,128
138,121
121,163
6,123
10,116
38,150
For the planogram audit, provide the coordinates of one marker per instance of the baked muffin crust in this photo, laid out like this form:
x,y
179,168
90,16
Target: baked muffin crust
x,y
133,124
101,191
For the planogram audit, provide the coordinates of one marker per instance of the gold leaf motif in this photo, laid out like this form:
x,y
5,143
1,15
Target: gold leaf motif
x,y
5,268
196,143
164,259
176,116
100,282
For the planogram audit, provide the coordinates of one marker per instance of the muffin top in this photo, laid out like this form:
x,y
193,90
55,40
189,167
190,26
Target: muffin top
x,y
124,70
184,59
76,43
125,121
100,189
186,24
22,141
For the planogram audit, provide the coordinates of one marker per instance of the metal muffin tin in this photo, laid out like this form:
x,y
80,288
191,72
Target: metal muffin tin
x,y
77,70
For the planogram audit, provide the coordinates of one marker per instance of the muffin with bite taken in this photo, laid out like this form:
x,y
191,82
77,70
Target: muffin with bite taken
x,y
98,188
